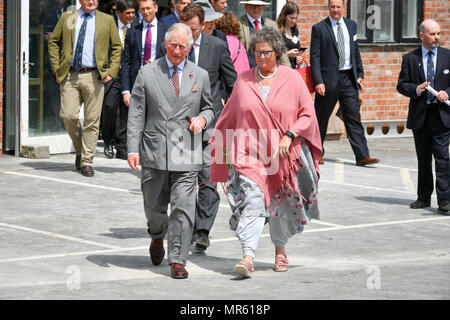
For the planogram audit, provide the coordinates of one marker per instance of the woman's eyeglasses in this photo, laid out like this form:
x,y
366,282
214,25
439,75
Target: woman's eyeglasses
x,y
266,53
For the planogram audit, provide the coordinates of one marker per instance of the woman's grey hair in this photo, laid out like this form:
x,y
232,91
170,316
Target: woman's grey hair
x,y
270,36
179,27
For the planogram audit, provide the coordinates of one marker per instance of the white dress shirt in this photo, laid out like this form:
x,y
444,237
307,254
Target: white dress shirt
x,y
154,31
348,63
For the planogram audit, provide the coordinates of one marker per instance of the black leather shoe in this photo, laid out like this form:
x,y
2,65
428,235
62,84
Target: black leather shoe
x,y
444,205
109,151
78,161
201,240
419,204
121,155
87,171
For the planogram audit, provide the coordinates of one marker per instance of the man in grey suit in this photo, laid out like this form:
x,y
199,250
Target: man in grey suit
x,y
170,106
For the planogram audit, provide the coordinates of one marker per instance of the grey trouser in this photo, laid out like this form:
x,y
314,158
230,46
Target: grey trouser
x,y
159,188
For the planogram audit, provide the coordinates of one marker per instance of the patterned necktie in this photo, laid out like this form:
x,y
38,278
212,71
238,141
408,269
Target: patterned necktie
x,y
124,35
176,81
256,22
192,54
430,75
341,45
148,45
79,49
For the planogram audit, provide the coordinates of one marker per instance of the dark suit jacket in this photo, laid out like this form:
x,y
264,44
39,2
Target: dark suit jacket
x,y
170,19
215,58
132,53
324,56
412,74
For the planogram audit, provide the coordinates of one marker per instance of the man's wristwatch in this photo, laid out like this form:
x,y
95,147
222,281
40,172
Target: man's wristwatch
x,y
290,135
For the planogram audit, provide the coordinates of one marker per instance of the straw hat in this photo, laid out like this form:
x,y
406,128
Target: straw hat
x,y
256,3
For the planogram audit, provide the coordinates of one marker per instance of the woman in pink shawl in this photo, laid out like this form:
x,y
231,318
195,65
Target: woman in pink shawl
x,y
266,147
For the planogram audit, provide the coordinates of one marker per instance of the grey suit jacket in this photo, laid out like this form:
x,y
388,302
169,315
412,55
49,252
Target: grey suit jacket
x,y
157,125
245,35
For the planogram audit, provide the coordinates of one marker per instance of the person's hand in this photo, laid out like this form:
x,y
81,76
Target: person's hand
x,y
134,161
422,87
359,80
293,53
320,89
299,60
57,80
127,99
197,124
107,79
442,96
283,148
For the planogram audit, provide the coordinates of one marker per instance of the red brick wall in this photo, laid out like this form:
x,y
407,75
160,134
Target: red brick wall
x,y
381,101
2,20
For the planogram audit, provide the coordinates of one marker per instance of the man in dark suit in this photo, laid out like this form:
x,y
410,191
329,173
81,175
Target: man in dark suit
x,y
164,144
337,73
428,115
114,111
137,40
178,6
211,54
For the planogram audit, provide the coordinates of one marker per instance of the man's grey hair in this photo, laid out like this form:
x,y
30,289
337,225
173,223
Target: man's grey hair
x,y
179,27
271,36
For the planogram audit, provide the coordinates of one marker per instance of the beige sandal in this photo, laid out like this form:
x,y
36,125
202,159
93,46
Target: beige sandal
x,y
244,268
281,263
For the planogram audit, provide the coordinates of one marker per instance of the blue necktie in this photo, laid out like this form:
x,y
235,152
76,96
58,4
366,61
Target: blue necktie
x,y
192,54
79,49
430,75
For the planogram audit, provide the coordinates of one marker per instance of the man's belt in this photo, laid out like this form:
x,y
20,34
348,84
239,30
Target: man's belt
x,y
82,69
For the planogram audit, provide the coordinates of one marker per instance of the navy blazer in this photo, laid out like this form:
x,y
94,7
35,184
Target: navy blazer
x,y
412,74
132,53
324,56
170,19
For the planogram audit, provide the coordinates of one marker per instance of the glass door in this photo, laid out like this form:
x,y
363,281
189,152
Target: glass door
x,y
40,123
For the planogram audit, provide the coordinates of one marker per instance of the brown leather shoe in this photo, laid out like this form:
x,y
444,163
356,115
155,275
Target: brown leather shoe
x,y
157,251
366,161
178,271
87,171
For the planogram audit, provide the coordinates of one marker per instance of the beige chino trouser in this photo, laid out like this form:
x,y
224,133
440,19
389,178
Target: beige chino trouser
x,y
76,89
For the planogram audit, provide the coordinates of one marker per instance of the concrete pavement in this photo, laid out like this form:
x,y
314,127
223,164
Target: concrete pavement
x,y
65,236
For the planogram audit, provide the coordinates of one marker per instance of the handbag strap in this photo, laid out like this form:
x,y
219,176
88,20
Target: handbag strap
x,y
239,50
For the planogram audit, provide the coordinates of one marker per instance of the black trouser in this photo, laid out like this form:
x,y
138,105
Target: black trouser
x,y
347,95
432,140
208,199
114,116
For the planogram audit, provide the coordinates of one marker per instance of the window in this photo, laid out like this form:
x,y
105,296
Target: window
x,y
387,21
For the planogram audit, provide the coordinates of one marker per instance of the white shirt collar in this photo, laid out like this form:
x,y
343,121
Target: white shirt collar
x,y
333,22
179,67
153,22
425,51
252,20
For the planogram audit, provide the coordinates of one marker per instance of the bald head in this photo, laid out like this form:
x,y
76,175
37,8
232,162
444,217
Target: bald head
x,y
430,34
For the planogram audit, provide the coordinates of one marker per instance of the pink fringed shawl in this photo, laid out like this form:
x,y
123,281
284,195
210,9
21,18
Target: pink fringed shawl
x,y
249,131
